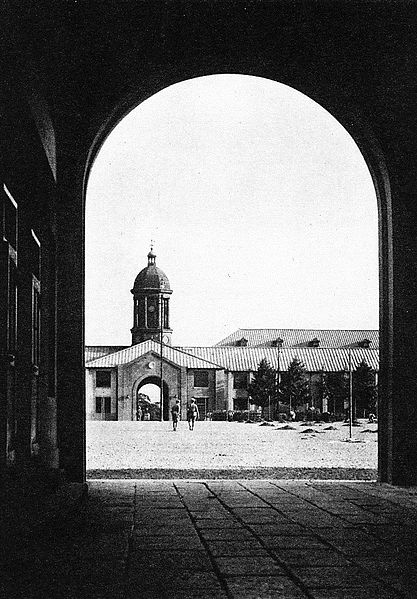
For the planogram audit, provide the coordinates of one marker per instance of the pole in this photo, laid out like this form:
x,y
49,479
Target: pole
x,y
161,394
350,394
278,377
248,408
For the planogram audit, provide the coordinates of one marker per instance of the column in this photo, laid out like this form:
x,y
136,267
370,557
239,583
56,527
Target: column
x,y
70,318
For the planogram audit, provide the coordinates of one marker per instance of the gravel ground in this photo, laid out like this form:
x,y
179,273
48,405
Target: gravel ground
x,y
223,449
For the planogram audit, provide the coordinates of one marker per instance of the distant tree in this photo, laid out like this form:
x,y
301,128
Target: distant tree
x,y
295,385
262,389
337,388
364,389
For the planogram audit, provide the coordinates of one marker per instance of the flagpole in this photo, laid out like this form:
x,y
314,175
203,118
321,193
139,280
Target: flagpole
x,y
161,394
350,394
278,379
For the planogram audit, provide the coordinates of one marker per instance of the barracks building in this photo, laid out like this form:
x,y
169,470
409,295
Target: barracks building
x,y
217,377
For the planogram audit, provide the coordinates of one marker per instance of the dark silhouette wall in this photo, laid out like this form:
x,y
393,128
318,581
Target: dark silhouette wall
x,y
70,71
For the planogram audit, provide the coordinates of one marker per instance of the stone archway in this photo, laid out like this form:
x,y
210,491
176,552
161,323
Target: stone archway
x,y
355,59
361,132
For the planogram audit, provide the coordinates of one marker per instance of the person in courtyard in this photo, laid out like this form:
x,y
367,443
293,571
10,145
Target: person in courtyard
x,y
192,414
146,415
175,412
139,413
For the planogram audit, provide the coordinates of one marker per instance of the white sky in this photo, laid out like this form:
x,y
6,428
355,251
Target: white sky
x,y
261,206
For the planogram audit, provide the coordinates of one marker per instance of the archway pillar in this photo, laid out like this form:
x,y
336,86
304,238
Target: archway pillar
x,y
70,319
398,381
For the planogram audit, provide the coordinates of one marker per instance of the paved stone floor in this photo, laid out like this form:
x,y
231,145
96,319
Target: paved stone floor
x,y
223,539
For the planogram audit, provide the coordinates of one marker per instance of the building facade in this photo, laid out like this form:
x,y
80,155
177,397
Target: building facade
x,y
217,377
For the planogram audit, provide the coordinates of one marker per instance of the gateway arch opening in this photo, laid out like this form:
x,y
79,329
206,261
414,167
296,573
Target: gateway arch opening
x,y
234,221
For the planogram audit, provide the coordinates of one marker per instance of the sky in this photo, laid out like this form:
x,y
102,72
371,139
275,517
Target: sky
x,y
260,204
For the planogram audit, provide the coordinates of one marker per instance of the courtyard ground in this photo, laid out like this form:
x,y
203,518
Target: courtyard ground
x,y
231,450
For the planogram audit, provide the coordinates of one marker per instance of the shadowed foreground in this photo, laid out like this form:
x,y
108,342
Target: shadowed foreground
x,y
224,539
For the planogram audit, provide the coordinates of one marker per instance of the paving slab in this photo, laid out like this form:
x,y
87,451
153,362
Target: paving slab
x,y
235,548
333,577
224,534
290,542
220,524
264,587
166,543
248,566
306,557
373,592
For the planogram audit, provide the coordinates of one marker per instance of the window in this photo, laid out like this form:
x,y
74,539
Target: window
x,y
36,325
107,405
240,380
103,405
12,305
202,407
201,378
152,312
141,312
166,313
8,272
103,378
9,224
35,255
240,403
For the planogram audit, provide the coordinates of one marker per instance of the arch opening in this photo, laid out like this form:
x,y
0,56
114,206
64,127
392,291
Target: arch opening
x,y
148,400
376,179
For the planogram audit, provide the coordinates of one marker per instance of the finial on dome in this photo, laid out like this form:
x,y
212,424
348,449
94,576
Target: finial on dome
x,y
151,255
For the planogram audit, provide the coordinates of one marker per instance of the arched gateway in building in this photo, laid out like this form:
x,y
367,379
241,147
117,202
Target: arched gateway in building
x,y
64,93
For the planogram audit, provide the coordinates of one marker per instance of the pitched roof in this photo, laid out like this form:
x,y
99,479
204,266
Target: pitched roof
x,y
314,359
97,351
172,354
235,358
302,337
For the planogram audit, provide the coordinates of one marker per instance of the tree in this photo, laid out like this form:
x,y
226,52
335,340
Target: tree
x,y
262,389
295,385
364,389
337,385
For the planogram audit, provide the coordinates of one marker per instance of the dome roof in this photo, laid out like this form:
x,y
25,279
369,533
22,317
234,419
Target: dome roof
x,y
151,277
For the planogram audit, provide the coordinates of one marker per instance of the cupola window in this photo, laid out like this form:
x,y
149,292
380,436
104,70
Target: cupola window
x,y
152,312
166,313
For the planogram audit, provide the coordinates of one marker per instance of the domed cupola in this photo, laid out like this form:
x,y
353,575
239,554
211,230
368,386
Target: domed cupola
x,y
151,292
151,277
